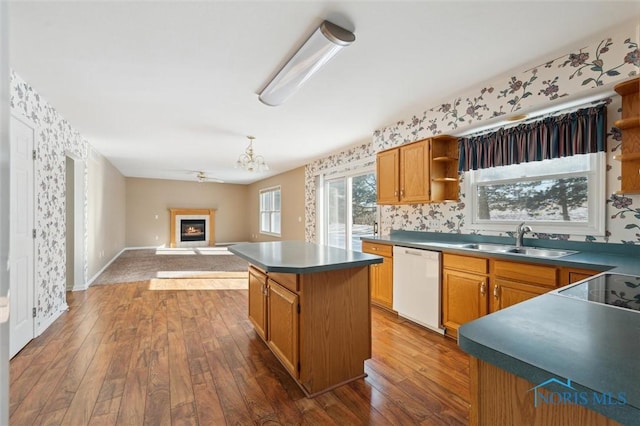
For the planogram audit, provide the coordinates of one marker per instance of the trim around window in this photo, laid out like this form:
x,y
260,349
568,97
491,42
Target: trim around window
x,y
594,225
269,216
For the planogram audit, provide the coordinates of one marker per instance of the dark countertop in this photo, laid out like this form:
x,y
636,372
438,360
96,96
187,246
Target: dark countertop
x,y
595,346
620,258
299,257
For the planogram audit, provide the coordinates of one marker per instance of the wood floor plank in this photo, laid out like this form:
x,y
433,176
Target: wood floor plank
x,y
233,406
125,354
183,409
158,405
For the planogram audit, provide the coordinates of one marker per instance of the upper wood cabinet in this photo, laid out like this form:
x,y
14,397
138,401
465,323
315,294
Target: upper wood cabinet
x,y
419,172
388,176
414,172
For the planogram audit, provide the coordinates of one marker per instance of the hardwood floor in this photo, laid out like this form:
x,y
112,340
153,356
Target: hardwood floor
x,y
128,355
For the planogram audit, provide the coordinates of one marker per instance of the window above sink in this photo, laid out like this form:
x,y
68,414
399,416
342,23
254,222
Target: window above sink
x,y
559,196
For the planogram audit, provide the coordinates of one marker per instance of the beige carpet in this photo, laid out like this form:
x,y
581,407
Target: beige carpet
x,y
147,264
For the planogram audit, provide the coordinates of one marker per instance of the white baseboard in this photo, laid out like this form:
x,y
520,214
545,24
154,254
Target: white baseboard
x,y
47,323
97,274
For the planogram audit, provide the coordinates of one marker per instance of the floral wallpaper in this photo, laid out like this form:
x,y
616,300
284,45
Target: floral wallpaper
x,y
581,72
55,138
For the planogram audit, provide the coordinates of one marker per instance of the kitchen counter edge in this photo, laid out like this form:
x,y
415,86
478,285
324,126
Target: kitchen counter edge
x,y
299,257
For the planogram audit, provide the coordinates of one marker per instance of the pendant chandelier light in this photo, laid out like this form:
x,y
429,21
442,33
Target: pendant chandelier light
x,y
250,162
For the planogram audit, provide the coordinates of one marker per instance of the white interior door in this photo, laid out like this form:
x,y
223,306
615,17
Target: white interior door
x,y
21,250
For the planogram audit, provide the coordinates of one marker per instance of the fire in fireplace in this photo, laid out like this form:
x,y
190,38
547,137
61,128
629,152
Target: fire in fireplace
x,y
192,230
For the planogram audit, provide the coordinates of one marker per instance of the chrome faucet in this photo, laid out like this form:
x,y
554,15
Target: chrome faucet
x,y
520,231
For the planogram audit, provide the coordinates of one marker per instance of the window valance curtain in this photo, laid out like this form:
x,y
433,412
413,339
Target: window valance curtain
x,y
579,132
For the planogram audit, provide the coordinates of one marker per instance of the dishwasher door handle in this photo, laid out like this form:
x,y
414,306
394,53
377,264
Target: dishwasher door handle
x,y
413,253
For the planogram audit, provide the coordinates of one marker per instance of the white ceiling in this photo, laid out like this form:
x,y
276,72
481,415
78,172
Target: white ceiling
x,y
161,88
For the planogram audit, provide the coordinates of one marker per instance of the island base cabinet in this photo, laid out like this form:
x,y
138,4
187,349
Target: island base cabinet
x,y
335,328
283,326
501,398
258,301
318,325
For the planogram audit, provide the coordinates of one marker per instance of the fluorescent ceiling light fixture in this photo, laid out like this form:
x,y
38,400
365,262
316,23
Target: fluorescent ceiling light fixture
x,y
323,45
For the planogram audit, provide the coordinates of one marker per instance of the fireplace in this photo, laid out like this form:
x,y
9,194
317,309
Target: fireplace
x,y
192,227
192,230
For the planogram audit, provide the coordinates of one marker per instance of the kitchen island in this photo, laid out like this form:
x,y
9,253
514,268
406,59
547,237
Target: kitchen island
x,y
311,305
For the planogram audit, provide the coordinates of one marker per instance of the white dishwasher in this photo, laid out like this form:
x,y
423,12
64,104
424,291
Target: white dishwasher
x,y
416,286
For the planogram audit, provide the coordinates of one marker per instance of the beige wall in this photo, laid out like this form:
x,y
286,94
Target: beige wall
x,y
151,198
106,212
292,208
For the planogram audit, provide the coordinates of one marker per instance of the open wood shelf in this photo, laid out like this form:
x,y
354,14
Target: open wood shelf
x,y
444,169
627,123
629,126
627,157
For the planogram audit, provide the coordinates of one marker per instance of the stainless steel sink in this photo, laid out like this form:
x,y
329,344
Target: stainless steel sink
x,y
540,252
506,248
487,247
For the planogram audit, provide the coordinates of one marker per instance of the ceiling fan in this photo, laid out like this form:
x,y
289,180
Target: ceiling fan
x,y
202,176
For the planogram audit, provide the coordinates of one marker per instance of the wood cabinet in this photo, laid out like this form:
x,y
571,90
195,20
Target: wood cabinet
x,y
388,176
629,125
318,325
515,282
414,172
464,290
501,398
283,326
475,286
381,274
573,275
419,172
258,301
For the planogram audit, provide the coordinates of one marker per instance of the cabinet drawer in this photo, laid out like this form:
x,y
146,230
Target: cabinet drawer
x,y
465,263
379,249
288,281
527,272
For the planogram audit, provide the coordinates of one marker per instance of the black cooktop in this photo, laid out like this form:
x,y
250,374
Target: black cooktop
x,y
622,291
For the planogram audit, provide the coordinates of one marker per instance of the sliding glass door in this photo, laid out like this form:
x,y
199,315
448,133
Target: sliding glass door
x,y
350,209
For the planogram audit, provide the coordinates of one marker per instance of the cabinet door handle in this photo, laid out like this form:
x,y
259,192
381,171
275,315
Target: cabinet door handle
x,y
495,291
402,192
395,193
483,287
